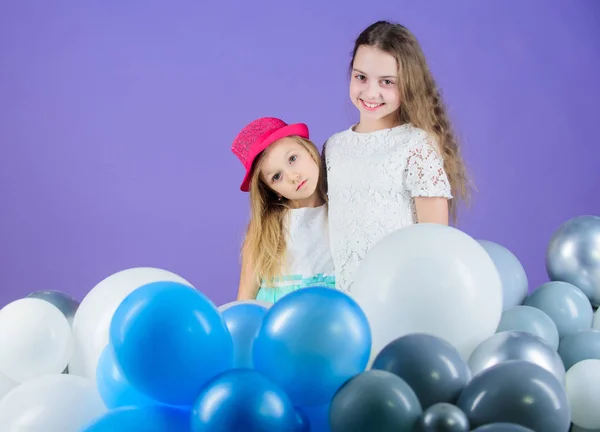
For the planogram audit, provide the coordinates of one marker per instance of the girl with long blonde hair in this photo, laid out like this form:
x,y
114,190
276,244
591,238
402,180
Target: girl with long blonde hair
x,y
401,163
286,246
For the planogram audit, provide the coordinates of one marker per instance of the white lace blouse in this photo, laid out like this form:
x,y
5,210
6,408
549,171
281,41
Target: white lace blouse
x,y
372,179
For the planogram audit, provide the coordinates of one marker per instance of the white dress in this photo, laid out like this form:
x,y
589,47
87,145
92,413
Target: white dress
x,y
372,179
308,256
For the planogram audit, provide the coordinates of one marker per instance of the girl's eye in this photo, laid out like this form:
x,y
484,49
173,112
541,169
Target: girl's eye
x,y
388,82
361,77
276,177
293,158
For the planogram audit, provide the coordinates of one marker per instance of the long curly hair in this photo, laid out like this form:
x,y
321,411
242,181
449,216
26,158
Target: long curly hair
x,y
421,103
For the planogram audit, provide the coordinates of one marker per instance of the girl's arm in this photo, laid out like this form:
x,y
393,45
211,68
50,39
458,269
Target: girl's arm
x,y
432,210
248,288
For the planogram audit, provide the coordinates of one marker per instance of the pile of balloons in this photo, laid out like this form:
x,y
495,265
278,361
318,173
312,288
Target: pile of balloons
x,y
439,333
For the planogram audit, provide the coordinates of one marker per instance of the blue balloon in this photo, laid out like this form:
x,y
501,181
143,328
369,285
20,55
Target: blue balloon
x,y
146,419
114,388
578,346
311,342
530,320
169,341
315,417
243,321
244,400
566,304
512,274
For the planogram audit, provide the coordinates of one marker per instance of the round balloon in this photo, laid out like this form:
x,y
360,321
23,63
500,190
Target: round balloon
x,y
443,417
572,255
512,274
35,339
311,342
429,278
374,400
517,392
243,321
65,403
64,302
578,346
169,341
568,307
583,391
530,320
514,345
430,366
92,320
243,400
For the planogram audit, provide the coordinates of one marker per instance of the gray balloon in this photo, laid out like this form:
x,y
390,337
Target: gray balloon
x,y
502,427
64,302
517,392
566,304
576,428
374,400
578,346
443,417
530,320
515,345
431,366
572,255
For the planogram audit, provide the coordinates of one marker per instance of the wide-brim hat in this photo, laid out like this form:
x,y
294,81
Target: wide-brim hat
x,y
257,136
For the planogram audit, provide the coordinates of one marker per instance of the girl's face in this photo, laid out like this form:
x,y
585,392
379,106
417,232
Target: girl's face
x,y
374,84
289,170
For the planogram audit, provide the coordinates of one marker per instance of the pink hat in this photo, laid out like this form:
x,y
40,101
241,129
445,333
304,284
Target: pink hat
x,y
257,136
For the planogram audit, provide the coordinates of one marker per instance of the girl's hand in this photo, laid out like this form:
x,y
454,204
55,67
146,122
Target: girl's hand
x,y
432,210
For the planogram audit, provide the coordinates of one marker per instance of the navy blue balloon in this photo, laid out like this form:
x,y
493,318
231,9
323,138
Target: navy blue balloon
x,y
244,400
170,340
243,321
142,419
311,342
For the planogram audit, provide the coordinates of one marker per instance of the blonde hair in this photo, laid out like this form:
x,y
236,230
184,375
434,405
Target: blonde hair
x,y
421,102
264,244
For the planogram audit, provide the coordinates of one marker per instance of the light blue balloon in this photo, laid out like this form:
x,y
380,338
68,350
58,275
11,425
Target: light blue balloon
x,y
531,320
566,304
512,274
578,346
243,321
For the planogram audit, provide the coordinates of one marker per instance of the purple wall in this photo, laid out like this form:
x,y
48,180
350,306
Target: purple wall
x,y
116,120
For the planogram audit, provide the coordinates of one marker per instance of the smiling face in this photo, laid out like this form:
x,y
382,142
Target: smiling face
x,y
374,87
290,171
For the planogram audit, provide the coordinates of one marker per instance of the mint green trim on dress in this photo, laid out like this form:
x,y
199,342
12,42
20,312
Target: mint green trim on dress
x,y
294,283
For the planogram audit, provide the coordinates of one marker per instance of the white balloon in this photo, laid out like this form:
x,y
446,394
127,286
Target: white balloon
x,y
6,385
429,278
262,303
35,339
64,403
91,323
583,392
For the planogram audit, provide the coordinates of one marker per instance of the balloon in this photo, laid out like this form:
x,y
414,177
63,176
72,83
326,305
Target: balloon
x,y
430,366
512,274
583,391
92,319
578,346
443,417
429,278
64,302
568,307
262,303
35,339
243,322
502,427
518,392
514,345
530,320
113,386
64,403
170,340
157,418
311,342
243,400
572,255
374,400
316,417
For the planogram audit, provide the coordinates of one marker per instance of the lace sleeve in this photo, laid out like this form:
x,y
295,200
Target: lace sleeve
x,y
425,175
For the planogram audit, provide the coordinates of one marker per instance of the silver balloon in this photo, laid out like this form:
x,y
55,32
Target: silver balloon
x,y
64,302
573,255
516,345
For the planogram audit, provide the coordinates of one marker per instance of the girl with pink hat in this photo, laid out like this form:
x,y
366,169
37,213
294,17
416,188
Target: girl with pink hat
x,y
287,241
